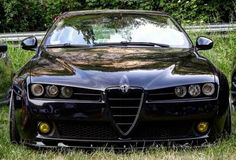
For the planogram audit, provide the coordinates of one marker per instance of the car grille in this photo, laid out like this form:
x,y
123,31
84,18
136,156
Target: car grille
x,y
143,131
163,130
86,130
87,94
124,107
161,94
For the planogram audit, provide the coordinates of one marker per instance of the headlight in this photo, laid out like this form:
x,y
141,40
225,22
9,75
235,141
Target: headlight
x,y
180,91
66,92
37,90
194,90
52,91
208,89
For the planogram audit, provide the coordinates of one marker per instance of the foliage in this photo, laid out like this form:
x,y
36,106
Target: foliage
x,y
5,74
54,7
18,56
222,53
122,4
36,15
21,15
195,11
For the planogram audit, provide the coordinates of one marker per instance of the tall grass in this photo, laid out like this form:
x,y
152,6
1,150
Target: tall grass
x,y
223,51
221,55
19,56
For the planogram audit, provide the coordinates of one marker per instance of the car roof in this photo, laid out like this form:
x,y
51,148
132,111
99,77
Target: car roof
x,y
89,12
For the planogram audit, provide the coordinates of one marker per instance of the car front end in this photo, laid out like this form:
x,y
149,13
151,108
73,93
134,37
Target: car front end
x,y
112,117
117,94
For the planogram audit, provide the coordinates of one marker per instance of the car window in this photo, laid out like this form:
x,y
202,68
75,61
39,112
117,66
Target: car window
x,y
106,28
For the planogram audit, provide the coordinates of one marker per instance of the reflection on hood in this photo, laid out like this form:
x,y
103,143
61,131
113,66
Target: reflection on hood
x,y
103,67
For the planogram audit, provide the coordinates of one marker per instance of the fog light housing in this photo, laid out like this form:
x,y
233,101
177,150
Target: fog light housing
x,y
208,89
194,90
180,91
202,127
44,128
37,90
66,92
52,91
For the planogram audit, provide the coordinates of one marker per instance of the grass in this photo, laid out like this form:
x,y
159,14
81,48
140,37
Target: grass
x,y
221,55
19,56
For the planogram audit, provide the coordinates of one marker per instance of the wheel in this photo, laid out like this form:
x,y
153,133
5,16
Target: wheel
x,y
228,123
14,134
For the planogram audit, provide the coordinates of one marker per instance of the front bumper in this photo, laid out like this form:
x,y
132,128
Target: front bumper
x,y
121,144
84,125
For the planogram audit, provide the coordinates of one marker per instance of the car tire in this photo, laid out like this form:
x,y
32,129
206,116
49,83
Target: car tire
x,y
228,123
14,134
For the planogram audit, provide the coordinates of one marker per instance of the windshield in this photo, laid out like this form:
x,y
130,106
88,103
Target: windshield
x,y
119,29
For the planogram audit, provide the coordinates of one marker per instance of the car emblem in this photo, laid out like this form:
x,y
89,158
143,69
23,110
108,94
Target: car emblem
x,y
124,88
124,84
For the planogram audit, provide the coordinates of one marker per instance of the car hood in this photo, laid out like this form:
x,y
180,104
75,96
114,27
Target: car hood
x,y
100,68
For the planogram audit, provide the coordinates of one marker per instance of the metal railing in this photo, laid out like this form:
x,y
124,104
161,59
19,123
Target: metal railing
x,y
16,37
212,28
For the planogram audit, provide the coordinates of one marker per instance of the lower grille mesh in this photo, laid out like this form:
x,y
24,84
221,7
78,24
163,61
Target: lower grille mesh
x,y
86,130
163,130
143,131
124,107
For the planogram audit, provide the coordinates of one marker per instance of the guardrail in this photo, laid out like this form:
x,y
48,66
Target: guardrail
x,y
212,28
16,37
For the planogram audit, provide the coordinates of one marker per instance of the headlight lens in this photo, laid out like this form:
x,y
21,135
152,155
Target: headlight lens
x,y
37,90
194,90
52,91
208,89
66,92
180,91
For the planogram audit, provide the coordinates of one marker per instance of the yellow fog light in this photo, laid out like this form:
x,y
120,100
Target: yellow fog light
x,y
202,127
44,127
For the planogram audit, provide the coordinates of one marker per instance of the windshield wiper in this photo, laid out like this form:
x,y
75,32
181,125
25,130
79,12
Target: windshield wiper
x,y
67,45
125,43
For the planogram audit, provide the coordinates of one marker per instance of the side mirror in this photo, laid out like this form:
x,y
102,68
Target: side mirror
x,y
203,43
29,43
3,47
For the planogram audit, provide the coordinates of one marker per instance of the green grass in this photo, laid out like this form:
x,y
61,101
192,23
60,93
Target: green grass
x,y
221,150
221,55
19,56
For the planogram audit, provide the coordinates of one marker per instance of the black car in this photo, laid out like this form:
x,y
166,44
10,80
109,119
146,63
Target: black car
x,y
6,72
233,84
117,78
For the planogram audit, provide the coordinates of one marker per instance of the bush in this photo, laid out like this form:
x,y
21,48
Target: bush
x,y
53,8
36,15
21,15
201,11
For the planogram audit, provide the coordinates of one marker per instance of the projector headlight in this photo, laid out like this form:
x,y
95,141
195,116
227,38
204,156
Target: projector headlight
x,y
180,91
52,91
208,89
194,90
66,92
37,90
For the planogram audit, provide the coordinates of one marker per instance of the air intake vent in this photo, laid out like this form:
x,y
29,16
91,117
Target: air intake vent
x,y
125,107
